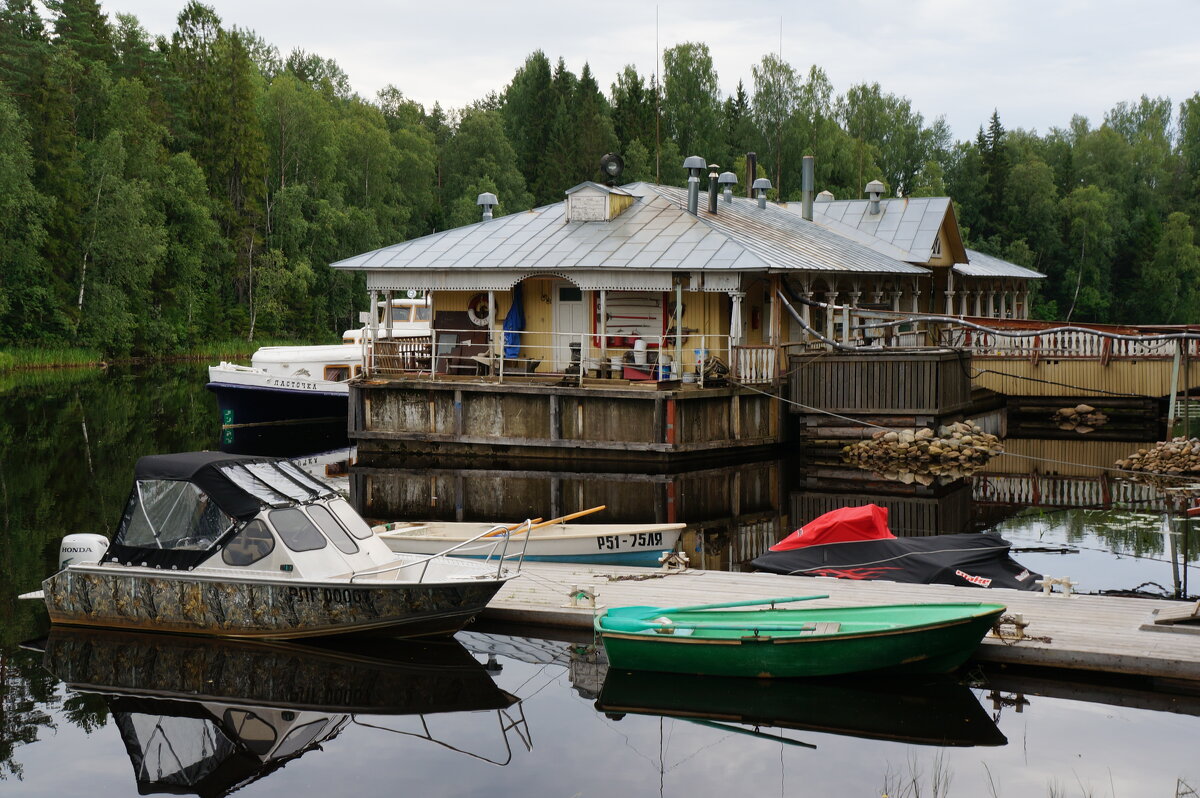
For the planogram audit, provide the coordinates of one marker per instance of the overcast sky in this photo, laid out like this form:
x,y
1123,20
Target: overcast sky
x,y
1038,63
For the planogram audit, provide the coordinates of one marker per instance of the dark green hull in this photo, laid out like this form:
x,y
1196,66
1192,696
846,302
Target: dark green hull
x,y
914,638
923,710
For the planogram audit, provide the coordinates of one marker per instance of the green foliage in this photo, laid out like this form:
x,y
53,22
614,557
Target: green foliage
x,y
1091,228
478,150
776,96
157,194
1168,287
633,109
691,103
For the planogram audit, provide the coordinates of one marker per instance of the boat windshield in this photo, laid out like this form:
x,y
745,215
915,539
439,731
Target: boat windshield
x,y
173,515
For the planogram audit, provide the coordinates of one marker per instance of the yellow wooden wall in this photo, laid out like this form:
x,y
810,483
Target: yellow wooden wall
x,y
1079,458
1013,377
706,312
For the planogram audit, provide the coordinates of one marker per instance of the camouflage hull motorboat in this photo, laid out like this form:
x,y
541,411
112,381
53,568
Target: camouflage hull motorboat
x,y
254,547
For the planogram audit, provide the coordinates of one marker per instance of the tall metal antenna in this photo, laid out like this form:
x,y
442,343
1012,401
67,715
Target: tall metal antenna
x,y
657,112
779,132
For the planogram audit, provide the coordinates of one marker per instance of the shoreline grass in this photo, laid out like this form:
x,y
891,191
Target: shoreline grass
x,y
33,358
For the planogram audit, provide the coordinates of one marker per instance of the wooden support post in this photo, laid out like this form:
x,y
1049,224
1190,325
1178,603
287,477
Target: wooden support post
x,y
491,323
670,433
458,497
1173,405
555,418
603,328
458,413
373,315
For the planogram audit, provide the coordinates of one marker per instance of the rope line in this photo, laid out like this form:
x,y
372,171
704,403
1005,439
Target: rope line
x,y
868,424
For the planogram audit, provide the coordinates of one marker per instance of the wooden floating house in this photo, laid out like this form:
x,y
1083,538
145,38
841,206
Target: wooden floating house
x,y
639,324
631,324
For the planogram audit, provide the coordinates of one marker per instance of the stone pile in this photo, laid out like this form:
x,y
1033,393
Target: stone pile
x,y
1176,456
922,455
1081,418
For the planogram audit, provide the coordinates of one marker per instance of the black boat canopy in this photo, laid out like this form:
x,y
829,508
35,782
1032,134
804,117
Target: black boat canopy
x,y
241,485
184,506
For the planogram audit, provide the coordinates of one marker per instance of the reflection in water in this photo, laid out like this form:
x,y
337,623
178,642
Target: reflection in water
x,y
71,438
927,711
208,716
285,440
715,502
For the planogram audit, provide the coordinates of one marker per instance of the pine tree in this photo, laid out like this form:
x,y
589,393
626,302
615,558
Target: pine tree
x,y
592,126
523,108
24,51
633,111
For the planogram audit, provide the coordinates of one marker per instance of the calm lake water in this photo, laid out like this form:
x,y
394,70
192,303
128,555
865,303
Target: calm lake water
x,y
512,712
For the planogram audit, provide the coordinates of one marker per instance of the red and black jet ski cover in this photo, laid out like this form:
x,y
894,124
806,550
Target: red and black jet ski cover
x,y
855,543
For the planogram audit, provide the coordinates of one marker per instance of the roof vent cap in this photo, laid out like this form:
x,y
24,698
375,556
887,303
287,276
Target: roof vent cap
x,y
825,196
487,201
874,190
694,165
761,186
727,180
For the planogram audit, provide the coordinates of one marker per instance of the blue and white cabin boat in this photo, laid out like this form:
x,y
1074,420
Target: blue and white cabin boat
x,y
310,383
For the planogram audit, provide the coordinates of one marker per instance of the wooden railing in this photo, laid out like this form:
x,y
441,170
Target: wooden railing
x,y
458,352
1136,344
755,364
391,356
1040,490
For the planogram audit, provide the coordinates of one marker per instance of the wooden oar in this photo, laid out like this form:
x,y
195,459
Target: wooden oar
x,y
731,604
642,624
551,522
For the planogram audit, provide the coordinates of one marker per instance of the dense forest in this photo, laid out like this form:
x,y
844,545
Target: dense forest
x,y
159,192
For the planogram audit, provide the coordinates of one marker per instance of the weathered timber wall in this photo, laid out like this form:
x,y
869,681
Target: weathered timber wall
x,y
453,417
705,496
923,383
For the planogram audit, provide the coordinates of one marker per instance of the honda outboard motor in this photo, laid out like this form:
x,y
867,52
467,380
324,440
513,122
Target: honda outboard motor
x,y
82,547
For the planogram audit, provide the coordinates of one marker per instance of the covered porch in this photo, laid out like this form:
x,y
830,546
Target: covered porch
x,y
686,329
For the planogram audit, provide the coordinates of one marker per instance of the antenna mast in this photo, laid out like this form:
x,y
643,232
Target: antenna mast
x,y
657,112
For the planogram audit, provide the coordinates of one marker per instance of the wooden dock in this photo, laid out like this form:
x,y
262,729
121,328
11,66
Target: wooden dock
x,y
1092,633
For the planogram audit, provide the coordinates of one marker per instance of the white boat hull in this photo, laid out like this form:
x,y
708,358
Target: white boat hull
x,y
626,544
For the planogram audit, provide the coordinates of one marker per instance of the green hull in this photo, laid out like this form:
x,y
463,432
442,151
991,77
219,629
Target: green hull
x,y
921,710
915,638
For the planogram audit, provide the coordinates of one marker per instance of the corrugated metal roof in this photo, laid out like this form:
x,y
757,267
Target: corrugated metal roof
x,y
791,242
908,225
656,232
988,266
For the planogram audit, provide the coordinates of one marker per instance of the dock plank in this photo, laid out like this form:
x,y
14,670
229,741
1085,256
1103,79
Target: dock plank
x,y
1094,633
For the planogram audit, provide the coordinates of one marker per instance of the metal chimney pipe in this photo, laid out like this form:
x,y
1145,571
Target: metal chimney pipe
x,y
807,178
712,187
694,164
762,185
751,172
874,190
727,179
487,201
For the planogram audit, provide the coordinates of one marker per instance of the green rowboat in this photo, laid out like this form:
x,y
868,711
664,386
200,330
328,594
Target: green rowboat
x,y
771,642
